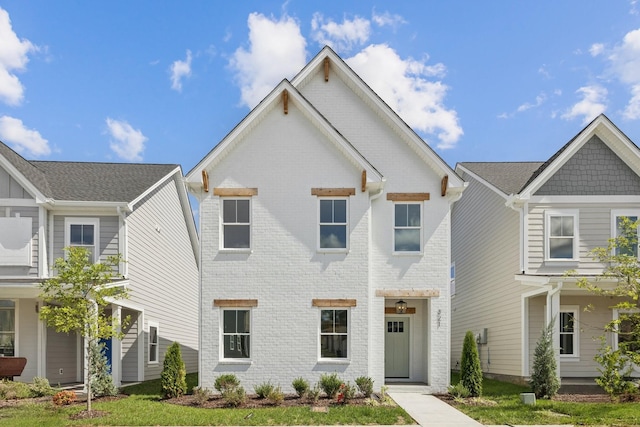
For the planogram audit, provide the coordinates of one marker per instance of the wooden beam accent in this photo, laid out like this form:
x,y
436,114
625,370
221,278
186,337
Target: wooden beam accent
x,y
333,191
238,192
285,101
407,293
326,69
392,310
235,302
407,197
333,302
443,185
364,181
205,181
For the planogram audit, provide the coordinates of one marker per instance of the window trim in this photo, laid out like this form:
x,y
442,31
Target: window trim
x,y
395,227
16,326
575,311
238,360
346,225
616,315
157,344
548,214
222,248
336,360
615,214
72,220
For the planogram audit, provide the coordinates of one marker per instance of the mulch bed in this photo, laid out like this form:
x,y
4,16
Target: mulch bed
x,y
290,400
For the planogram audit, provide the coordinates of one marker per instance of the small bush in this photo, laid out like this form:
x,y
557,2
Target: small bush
x,y
615,371
225,382
40,387
263,390
365,385
101,379
14,390
458,391
470,370
201,395
330,384
346,392
314,393
174,373
544,379
275,396
301,386
65,397
234,396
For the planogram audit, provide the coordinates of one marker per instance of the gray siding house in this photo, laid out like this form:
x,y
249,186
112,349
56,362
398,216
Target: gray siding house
x,y
519,227
140,211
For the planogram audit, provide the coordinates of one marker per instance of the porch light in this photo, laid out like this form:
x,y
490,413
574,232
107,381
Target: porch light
x,y
401,307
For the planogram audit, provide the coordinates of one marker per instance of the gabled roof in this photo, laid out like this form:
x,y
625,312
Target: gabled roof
x,y
523,179
355,82
32,178
266,105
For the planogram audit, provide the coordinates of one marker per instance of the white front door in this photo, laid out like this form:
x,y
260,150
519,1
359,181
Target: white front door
x,y
396,348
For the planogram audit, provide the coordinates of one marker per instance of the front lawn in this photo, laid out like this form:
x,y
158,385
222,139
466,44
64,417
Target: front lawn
x,y
500,404
143,406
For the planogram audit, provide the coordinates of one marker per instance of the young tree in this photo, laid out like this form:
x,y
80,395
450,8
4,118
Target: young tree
x,y
620,280
544,378
470,370
173,377
76,298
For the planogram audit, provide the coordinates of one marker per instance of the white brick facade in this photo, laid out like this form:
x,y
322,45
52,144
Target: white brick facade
x,y
284,156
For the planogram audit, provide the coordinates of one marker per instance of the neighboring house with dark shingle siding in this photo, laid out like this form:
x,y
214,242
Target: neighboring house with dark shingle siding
x,y
516,231
140,211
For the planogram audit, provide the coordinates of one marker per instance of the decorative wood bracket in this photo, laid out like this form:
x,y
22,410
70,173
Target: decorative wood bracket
x,y
235,192
364,181
285,101
328,192
205,181
235,302
443,185
407,197
333,302
326,69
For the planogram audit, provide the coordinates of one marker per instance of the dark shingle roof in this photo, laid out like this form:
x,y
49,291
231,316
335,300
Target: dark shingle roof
x,y
508,177
88,181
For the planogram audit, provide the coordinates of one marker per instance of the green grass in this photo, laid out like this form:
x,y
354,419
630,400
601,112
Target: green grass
x,y
144,407
509,409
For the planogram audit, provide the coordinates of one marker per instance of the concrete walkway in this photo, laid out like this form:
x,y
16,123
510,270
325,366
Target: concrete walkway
x,y
430,411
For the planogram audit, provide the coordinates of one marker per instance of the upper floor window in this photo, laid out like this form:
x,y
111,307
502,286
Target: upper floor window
x,y
154,343
561,232
236,223
7,327
334,333
236,333
83,232
333,224
625,230
407,227
568,324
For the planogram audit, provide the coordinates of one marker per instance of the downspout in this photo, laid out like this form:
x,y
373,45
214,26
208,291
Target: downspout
x,y
123,237
553,309
373,302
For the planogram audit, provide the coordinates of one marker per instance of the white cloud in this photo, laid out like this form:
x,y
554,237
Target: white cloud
x,y
625,58
403,85
179,71
23,140
632,110
13,57
276,51
593,103
596,49
540,99
387,20
127,143
341,37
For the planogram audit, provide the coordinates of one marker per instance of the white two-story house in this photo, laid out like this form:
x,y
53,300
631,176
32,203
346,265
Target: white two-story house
x,y
518,229
140,211
325,240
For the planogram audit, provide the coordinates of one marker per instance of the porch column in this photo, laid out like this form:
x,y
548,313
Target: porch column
x,y
553,313
116,347
41,362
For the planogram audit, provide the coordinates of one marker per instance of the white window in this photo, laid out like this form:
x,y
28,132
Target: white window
x,y
407,227
83,232
236,333
154,343
561,232
7,327
334,333
627,236
236,224
568,325
333,230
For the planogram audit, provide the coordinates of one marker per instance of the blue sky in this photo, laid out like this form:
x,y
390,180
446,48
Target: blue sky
x,y
165,81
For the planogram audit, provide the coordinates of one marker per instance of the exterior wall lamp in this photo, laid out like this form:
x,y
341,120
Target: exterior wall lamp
x,y
401,307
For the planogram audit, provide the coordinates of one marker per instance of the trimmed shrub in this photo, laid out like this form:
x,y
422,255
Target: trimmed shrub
x,y
470,370
314,393
544,379
458,391
65,397
201,395
346,392
40,387
174,373
263,390
615,373
234,396
301,386
101,379
14,390
225,382
330,384
275,395
365,385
